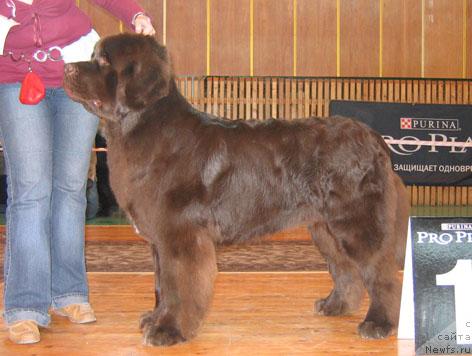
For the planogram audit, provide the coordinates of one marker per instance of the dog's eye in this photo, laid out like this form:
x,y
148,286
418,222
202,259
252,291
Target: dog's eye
x,y
129,70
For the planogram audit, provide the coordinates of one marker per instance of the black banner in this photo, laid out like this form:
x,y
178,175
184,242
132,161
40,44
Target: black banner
x,y
424,139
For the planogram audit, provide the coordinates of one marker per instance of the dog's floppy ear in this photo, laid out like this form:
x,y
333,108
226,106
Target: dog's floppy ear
x,y
145,79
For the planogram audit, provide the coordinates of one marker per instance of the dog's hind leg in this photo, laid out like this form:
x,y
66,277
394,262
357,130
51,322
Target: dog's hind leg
x,y
380,270
187,269
388,227
368,239
384,291
348,289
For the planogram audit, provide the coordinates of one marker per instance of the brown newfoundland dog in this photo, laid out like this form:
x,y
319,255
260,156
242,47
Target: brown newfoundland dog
x,y
189,180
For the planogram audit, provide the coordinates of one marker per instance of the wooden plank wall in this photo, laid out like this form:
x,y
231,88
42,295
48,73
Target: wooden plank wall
x,y
379,38
295,97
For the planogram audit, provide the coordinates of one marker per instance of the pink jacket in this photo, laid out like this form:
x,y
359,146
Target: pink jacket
x,y
61,22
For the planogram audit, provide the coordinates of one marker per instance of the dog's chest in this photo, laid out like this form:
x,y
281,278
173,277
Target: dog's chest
x,y
134,188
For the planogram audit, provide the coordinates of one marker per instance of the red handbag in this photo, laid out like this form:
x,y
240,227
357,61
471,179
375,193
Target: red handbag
x,y
32,89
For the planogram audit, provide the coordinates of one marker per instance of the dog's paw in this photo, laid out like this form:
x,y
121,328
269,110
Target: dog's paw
x,y
331,307
160,335
147,319
372,330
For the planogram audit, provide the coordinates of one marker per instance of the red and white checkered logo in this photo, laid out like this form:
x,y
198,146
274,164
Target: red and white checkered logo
x,y
405,123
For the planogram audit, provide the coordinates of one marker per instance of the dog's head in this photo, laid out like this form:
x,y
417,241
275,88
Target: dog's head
x,y
127,73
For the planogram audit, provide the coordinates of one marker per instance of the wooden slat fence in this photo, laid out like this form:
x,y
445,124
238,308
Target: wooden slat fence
x,y
292,97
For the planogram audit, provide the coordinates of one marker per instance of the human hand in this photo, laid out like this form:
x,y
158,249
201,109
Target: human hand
x,y
142,24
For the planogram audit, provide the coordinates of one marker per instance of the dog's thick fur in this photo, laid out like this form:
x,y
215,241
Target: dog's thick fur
x,y
189,180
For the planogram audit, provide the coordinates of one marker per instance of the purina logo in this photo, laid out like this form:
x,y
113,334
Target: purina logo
x,y
413,123
456,226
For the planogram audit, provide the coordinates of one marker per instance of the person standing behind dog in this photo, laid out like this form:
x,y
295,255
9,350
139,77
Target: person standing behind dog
x,y
47,139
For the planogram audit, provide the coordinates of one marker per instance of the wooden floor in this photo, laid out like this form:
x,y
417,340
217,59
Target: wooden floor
x,y
253,312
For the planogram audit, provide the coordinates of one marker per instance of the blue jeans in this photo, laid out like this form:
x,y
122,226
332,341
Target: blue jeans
x,y
47,153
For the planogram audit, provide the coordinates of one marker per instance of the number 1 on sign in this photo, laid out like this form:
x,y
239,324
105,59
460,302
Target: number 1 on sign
x,y
461,278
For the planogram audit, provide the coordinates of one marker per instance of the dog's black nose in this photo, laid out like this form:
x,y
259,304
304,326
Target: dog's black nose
x,y
70,69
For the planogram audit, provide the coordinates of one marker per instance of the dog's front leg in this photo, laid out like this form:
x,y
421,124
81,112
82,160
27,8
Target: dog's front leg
x,y
151,316
187,269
